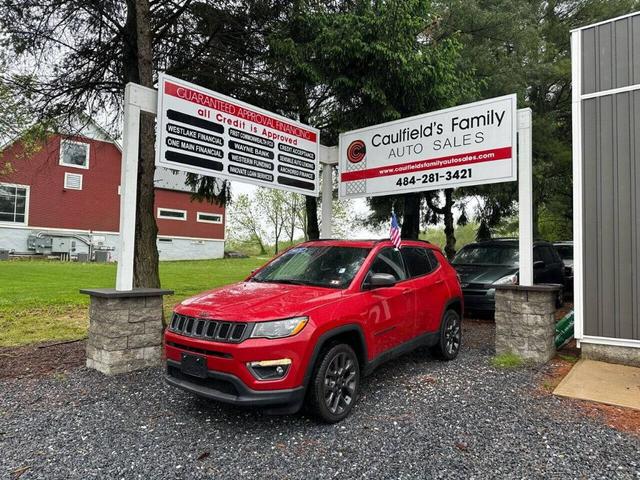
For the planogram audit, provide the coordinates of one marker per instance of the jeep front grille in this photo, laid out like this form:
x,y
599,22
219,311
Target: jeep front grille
x,y
214,330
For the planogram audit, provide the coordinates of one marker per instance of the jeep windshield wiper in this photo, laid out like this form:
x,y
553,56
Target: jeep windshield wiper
x,y
288,281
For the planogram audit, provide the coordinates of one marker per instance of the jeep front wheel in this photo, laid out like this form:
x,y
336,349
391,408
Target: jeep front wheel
x,y
335,384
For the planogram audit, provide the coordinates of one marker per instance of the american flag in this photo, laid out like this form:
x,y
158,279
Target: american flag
x,y
394,232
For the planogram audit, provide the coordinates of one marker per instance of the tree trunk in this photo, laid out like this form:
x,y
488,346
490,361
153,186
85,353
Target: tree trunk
x,y
311,207
263,251
276,231
303,222
293,226
299,87
411,217
449,228
145,264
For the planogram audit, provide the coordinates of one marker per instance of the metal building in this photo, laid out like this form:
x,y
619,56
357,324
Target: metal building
x,y
606,183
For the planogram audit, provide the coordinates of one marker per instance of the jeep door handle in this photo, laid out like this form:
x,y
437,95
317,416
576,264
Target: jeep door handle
x,y
439,282
406,291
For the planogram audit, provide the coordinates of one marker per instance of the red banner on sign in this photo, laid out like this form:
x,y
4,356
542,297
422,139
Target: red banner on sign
x,y
430,164
239,111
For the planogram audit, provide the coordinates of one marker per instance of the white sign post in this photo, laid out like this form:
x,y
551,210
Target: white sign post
x,y
471,144
207,133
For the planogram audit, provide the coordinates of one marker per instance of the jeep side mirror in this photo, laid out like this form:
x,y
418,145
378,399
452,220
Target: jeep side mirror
x,y
381,280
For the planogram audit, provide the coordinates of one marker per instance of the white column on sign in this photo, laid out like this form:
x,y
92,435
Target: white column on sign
x,y
525,196
327,200
328,157
136,99
128,192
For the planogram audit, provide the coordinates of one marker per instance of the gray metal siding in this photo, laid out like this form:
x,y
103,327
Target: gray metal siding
x,y
611,55
611,209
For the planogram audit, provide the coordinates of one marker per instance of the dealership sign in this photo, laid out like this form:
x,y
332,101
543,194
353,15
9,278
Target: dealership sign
x,y
471,144
204,132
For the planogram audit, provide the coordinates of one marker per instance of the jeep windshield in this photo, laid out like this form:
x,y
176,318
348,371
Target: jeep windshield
x,y
488,255
330,266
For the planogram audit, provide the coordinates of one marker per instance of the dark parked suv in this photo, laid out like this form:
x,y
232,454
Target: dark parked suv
x,y
483,265
565,250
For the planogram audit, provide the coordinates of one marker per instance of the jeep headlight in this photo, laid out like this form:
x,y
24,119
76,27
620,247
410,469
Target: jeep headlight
x,y
507,280
279,328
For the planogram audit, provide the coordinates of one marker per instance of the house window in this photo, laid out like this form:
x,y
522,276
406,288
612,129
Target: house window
x,y
74,154
205,217
14,203
171,214
72,181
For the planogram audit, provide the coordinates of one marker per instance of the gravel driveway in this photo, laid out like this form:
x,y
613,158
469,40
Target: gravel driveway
x,y
416,418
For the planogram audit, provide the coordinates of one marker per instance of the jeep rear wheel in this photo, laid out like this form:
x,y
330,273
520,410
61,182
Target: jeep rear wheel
x,y
450,340
335,384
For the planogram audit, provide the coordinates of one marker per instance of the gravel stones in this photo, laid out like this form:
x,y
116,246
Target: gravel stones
x,y
416,418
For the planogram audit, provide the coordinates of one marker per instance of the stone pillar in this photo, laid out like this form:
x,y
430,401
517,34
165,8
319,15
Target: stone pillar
x,y
525,321
125,329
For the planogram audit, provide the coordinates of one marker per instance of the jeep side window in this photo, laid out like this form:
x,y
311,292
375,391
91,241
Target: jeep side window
x,y
388,261
433,259
418,261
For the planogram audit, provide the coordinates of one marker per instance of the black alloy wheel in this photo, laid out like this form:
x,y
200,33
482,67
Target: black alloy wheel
x,y
335,384
450,340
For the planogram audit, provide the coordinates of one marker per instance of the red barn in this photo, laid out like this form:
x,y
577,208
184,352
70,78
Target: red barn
x,y
63,199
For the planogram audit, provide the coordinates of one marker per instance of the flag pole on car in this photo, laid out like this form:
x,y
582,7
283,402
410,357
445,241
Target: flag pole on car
x,y
394,231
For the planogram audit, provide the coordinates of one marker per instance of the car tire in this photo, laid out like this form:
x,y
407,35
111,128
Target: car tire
x,y
450,340
335,384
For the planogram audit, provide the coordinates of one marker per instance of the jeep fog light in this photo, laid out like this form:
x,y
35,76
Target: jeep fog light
x,y
269,369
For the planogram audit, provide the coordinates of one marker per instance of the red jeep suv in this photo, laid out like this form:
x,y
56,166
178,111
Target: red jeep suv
x,y
311,322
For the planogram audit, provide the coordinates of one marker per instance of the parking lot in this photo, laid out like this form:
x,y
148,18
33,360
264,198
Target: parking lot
x,y
416,418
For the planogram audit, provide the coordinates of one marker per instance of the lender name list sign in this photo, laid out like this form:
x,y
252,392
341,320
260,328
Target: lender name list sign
x,y
204,132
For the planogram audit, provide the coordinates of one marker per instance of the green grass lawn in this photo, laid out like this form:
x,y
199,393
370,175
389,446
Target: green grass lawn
x,y
40,300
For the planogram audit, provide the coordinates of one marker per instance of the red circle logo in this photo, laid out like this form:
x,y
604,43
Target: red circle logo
x,y
356,151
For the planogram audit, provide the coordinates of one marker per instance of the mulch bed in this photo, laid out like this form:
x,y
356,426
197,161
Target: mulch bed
x,y
42,359
620,418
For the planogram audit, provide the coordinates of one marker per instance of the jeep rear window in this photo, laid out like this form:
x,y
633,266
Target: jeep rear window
x,y
330,266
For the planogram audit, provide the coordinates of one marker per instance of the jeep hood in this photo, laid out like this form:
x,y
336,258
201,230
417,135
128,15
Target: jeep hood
x,y
253,301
